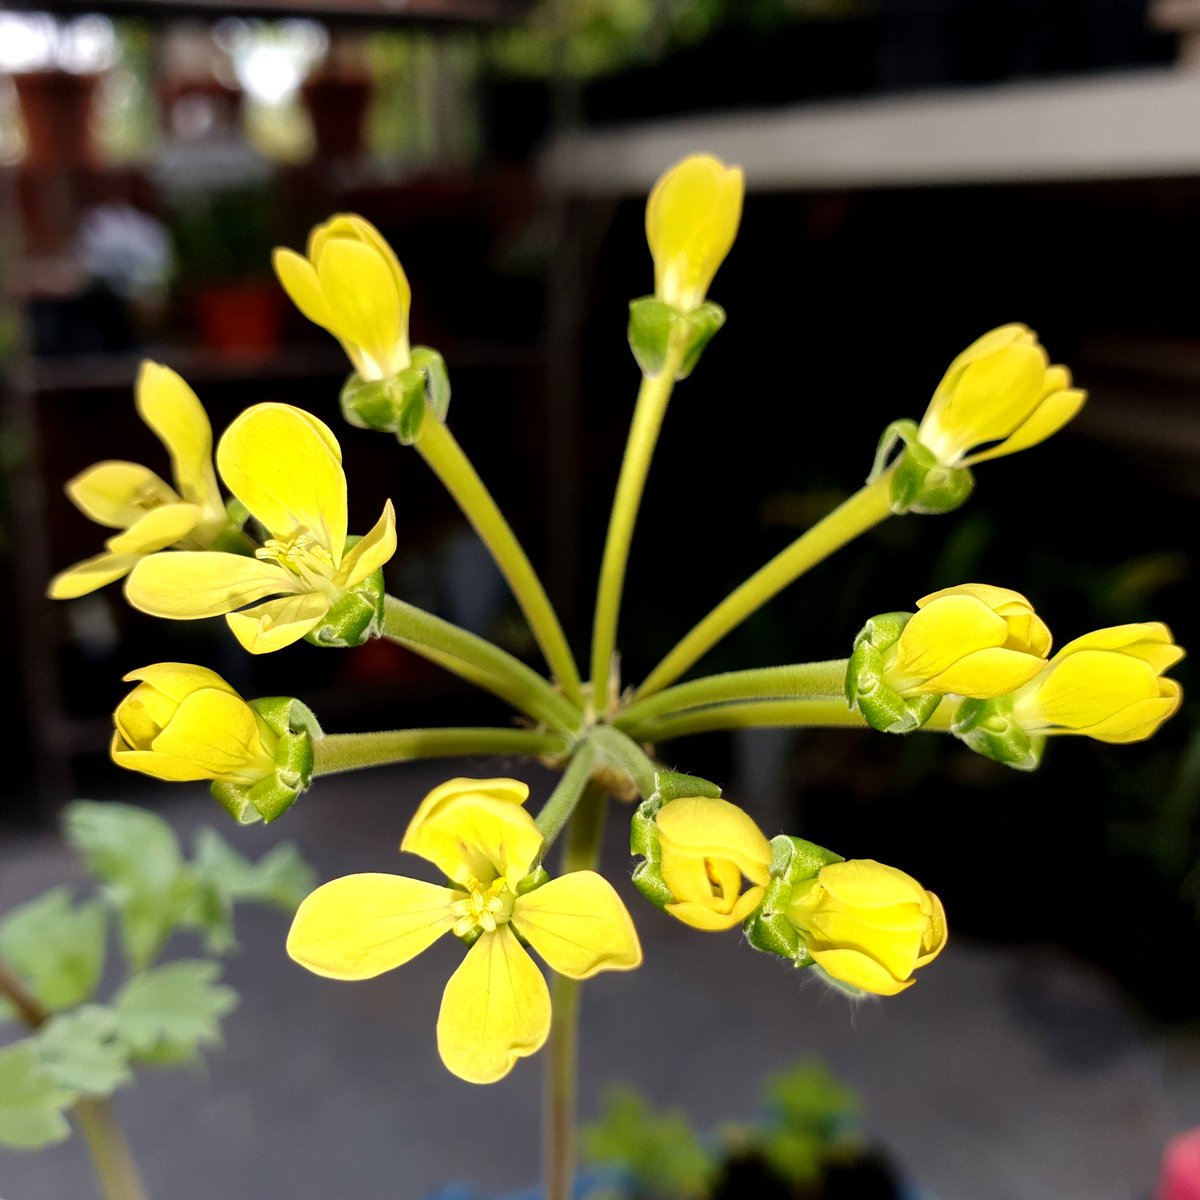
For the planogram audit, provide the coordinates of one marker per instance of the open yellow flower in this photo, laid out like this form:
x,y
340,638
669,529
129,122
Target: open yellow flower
x,y
496,1006
1000,393
352,285
150,513
707,846
185,722
868,925
691,220
973,640
1106,685
285,466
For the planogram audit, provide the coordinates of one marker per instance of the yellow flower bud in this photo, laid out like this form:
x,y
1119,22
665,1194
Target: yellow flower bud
x,y
691,220
1107,685
707,847
352,285
184,722
1000,392
973,640
868,925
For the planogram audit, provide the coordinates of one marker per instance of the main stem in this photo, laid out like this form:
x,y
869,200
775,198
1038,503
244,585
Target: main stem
x,y
480,662
795,682
866,508
351,751
653,397
581,852
445,456
112,1160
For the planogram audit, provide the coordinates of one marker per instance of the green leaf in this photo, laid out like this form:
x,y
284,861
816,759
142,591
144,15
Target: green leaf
x,y
136,855
56,946
31,1101
83,1052
165,1014
280,878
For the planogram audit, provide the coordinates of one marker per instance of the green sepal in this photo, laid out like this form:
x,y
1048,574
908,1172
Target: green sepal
x,y
671,785
437,379
643,842
238,515
357,617
793,861
883,707
535,879
988,727
920,482
295,726
654,326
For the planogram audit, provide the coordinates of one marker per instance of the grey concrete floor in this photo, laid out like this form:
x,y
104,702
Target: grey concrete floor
x,y
1004,1074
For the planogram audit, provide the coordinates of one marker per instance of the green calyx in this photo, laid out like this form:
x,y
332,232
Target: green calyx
x,y
867,689
989,728
295,727
356,618
793,861
398,405
643,831
920,483
655,329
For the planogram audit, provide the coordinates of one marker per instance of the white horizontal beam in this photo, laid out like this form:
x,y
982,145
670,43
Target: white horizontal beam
x,y
1136,124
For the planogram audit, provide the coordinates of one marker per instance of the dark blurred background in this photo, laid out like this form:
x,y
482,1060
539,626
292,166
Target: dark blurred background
x,y
153,153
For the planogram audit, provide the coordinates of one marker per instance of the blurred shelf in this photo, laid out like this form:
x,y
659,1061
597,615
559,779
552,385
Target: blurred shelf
x,y
1133,125
474,12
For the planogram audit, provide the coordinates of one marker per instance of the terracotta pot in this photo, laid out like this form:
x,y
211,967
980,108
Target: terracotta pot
x,y
57,107
242,318
337,106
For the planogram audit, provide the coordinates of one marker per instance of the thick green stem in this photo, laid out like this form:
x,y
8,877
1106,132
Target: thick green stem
x,y
774,714
581,852
111,1157
352,751
480,662
865,509
445,456
794,682
566,796
620,750
653,397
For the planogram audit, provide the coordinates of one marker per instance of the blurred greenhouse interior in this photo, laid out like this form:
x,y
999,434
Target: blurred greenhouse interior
x,y
918,172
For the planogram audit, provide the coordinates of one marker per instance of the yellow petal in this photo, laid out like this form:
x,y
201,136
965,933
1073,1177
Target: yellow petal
x,y
704,916
299,279
359,926
1148,640
279,464
220,733
865,883
160,766
1026,630
117,494
355,227
92,573
177,681
361,293
157,529
936,932
1087,687
368,555
278,623
475,832
938,635
1140,720
702,826
860,971
170,407
984,674
495,1009
1047,419
188,584
895,944
143,714
579,925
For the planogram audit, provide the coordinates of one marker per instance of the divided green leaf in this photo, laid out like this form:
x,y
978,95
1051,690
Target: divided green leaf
x,y
56,946
165,1014
83,1051
31,1101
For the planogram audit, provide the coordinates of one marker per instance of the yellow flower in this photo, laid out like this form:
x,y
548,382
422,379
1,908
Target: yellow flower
x,y
185,722
285,466
150,513
691,220
496,1006
868,925
972,640
707,846
1000,392
1107,685
352,285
